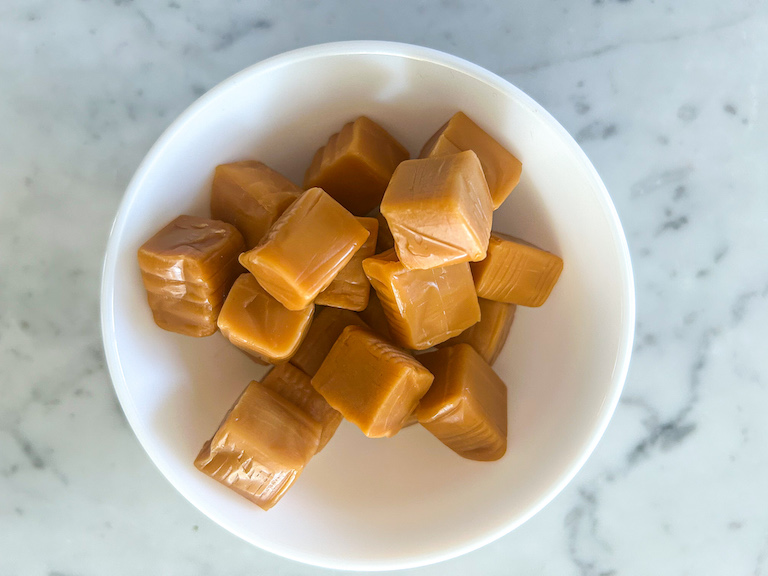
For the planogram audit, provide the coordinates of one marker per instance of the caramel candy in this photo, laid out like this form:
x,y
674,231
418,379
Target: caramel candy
x,y
350,289
259,324
373,384
294,385
502,170
325,329
250,196
439,211
488,336
187,269
516,272
356,165
374,316
466,407
305,249
385,240
423,307
261,446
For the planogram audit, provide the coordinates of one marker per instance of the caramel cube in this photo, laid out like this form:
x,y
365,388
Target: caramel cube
x,y
439,211
305,249
488,336
423,307
502,170
375,317
257,323
325,329
350,289
466,407
294,385
356,165
261,446
250,196
516,272
373,384
187,269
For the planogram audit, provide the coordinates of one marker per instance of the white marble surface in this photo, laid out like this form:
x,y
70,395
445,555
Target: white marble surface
x,y
668,98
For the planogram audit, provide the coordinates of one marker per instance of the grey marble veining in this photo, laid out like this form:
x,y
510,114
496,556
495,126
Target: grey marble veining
x,y
669,100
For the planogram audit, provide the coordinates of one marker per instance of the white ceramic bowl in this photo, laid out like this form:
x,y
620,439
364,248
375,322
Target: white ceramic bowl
x,y
367,504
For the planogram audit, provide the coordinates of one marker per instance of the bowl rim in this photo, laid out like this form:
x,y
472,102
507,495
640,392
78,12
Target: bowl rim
x,y
384,48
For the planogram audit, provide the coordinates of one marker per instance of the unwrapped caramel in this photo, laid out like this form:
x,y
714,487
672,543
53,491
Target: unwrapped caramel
x,y
305,249
356,165
516,272
466,407
257,323
261,446
423,307
488,336
187,269
350,288
502,170
374,384
439,211
294,385
250,196
325,329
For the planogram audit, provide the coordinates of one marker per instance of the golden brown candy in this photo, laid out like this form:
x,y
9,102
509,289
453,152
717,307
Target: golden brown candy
x,y
187,269
516,272
261,446
305,249
439,211
294,385
502,170
350,288
259,324
250,196
374,316
325,329
373,384
423,307
466,407
488,336
356,165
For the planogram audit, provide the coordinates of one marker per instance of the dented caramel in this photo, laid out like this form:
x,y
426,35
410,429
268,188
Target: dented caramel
x,y
257,323
325,329
187,269
350,288
305,249
502,170
250,196
488,336
466,407
294,385
356,164
439,211
374,384
423,307
261,447
516,272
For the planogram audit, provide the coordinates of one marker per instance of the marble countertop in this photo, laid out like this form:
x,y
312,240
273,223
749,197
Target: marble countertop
x,y
670,101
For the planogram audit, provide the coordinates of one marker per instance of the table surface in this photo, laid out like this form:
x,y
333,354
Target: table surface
x,y
667,98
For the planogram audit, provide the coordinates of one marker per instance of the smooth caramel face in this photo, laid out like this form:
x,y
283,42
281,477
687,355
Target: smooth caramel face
x,y
374,384
466,407
187,269
489,335
259,324
439,211
305,249
261,446
350,288
502,170
423,307
356,165
250,196
516,272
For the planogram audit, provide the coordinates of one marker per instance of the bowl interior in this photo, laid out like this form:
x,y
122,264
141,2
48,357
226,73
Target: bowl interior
x,y
408,500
